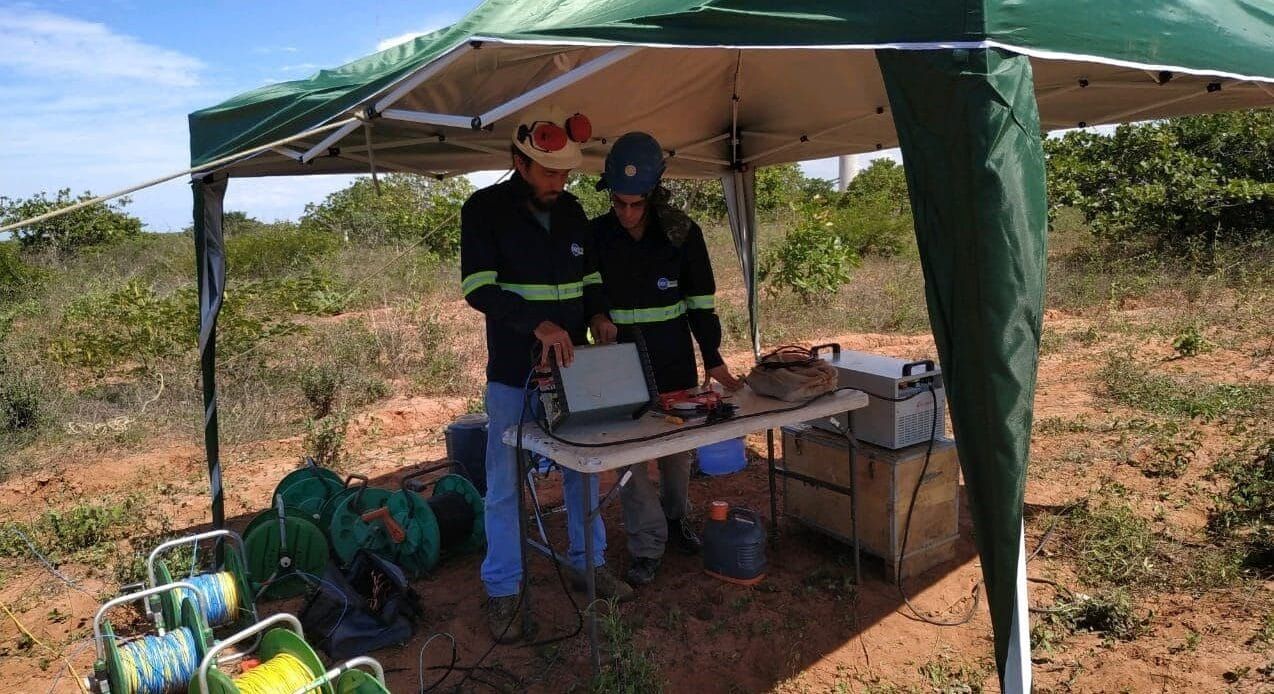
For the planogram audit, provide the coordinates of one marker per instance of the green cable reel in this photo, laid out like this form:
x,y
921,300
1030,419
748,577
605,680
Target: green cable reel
x,y
108,669
234,561
283,634
360,520
308,489
282,547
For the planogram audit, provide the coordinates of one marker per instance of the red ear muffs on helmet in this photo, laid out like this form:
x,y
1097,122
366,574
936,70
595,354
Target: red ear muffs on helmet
x,y
543,135
579,128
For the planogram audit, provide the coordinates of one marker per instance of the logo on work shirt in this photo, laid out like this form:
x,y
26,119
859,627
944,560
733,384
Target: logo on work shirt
x,y
576,250
665,284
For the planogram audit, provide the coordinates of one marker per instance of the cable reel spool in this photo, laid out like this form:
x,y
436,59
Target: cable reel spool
x,y
287,662
226,595
283,546
154,663
308,489
453,517
360,519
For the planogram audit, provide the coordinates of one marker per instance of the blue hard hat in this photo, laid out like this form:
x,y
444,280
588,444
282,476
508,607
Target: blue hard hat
x,y
634,165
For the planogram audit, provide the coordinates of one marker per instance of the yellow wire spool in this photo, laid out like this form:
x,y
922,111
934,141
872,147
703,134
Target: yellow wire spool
x,y
282,674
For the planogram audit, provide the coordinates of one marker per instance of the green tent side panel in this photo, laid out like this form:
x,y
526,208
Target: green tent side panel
x,y
970,136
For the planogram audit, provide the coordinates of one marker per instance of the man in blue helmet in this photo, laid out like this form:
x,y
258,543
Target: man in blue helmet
x,y
657,278
526,263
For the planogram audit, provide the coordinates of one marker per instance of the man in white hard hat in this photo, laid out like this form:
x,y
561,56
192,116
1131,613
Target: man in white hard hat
x,y
527,264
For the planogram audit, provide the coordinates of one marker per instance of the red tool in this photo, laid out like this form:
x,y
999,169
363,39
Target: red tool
x,y
396,532
708,400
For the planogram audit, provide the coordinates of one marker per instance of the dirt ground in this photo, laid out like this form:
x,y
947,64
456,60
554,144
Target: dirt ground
x,y
805,628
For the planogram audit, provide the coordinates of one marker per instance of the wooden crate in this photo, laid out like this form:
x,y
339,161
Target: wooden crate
x,y
886,480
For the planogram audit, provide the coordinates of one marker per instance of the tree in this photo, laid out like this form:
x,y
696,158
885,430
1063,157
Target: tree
x,y
408,209
88,226
874,213
1169,184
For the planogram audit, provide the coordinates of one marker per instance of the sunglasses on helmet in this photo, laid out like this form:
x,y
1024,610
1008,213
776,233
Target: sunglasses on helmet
x,y
549,137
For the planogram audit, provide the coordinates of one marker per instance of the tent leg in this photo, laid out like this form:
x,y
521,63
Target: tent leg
x,y
969,129
740,202
210,260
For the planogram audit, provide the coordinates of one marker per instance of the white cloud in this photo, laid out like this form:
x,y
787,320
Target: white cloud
x,y
45,45
432,23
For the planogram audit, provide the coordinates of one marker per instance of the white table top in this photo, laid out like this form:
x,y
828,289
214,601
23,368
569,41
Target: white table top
x,y
766,413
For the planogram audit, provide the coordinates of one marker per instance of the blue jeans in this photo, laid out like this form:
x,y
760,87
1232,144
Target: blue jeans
x,y
502,567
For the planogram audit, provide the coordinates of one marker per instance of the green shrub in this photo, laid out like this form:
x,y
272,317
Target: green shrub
x,y
17,279
1246,508
408,209
22,406
812,260
874,213
89,226
325,439
1130,383
320,386
1166,184
277,249
1190,342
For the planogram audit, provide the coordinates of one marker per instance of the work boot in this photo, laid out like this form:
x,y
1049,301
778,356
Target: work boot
x,y
504,618
641,571
682,537
608,586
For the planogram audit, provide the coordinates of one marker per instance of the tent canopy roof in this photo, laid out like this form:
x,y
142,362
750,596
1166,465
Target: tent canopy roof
x,y
674,68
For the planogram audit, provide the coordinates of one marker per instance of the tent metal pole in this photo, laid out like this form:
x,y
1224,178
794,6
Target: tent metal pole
x,y
701,143
396,144
419,78
1269,91
1116,117
371,155
810,138
288,152
556,84
473,146
327,142
441,119
1058,92
703,160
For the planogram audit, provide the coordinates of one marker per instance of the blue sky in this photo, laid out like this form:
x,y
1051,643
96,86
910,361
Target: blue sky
x,y
97,92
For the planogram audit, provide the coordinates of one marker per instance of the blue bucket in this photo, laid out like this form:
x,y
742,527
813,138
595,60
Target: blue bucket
x,y
722,458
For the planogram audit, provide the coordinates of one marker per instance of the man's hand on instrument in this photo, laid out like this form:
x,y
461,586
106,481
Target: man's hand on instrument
x,y
555,341
723,376
604,331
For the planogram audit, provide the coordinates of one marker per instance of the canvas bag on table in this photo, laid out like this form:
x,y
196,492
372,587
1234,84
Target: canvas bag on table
x,y
792,374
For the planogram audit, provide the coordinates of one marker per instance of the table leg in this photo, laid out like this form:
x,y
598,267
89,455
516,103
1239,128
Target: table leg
x,y
853,502
590,579
523,531
774,503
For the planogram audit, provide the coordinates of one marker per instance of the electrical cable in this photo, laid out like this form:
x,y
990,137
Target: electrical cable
x,y
22,628
690,427
47,565
906,531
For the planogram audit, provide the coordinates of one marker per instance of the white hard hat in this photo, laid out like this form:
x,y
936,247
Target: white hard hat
x,y
552,137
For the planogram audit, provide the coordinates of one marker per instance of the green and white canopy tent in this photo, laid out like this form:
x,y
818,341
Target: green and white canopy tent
x,y
965,87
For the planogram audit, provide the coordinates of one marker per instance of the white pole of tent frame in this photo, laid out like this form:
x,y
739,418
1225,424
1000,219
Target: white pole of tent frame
x,y
419,78
813,138
672,154
197,170
326,143
444,120
556,84
1113,117
371,155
